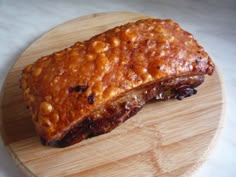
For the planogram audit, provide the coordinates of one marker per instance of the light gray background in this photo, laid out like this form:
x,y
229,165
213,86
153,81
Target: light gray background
x,y
212,22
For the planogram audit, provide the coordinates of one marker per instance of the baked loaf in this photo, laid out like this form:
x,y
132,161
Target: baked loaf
x,y
91,87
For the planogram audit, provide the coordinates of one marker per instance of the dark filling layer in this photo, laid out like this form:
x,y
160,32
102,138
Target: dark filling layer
x,y
110,116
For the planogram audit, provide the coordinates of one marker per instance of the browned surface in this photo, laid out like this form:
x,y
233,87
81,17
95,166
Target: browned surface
x,y
164,139
65,87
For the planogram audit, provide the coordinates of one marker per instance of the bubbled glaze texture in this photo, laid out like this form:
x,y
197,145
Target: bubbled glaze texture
x,y
63,88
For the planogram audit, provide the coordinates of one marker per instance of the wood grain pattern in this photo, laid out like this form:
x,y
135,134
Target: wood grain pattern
x,y
165,139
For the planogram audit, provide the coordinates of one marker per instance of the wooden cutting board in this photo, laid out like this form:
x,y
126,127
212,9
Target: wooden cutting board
x,y
165,139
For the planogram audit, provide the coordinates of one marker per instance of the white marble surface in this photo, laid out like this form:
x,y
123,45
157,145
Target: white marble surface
x,y
212,22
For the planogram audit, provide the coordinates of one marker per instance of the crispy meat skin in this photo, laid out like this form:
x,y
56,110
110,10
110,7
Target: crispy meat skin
x,y
64,90
111,115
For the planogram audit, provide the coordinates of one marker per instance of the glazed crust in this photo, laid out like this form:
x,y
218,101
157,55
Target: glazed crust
x,y
64,88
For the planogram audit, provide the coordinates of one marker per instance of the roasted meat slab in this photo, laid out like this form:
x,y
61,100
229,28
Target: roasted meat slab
x,y
93,86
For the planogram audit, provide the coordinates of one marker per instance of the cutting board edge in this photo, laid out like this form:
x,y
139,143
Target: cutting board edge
x,y
202,160
219,129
